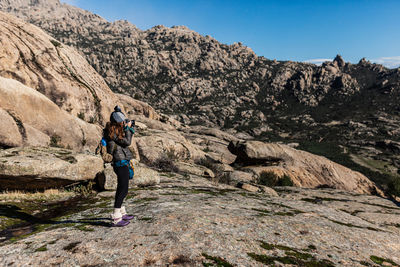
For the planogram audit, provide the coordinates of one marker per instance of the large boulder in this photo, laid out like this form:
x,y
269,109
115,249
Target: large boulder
x,y
303,168
195,169
32,119
9,133
144,176
214,142
107,179
32,168
155,144
133,107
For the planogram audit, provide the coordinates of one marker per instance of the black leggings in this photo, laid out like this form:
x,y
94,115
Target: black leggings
x,y
123,184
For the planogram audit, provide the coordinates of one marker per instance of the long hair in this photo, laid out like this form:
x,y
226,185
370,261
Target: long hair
x,y
115,129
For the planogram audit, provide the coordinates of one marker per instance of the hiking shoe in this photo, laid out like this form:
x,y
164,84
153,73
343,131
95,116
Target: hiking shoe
x,y
119,223
127,217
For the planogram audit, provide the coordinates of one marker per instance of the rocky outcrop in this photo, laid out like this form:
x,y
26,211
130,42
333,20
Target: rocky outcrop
x,y
33,168
304,169
68,97
29,55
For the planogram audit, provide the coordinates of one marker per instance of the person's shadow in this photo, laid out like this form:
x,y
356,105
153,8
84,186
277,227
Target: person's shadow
x,y
32,222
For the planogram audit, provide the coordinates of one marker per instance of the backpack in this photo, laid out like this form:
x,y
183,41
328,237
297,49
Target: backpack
x,y
102,150
107,158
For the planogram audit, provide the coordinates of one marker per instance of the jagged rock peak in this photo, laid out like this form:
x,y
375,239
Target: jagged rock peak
x,y
363,61
339,61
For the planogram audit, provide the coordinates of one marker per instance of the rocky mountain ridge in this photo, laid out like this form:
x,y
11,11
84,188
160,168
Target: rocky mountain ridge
x,y
347,112
55,83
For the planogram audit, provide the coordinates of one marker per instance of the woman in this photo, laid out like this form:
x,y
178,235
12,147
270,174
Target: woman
x,y
119,136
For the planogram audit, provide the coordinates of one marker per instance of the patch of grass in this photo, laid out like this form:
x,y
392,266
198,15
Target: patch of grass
x,y
292,259
299,255
130,196
293,256
355,226
172,194
268,260
269,246
380,261
262,212
320,199
84,228
288,213
145,199
251,195
49,194
42,248
216,261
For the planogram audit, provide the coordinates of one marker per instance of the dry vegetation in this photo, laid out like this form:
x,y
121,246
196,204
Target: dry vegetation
x,y
50,194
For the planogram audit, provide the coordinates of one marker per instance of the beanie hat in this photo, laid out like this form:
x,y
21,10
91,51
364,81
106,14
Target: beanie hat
x,y
117,115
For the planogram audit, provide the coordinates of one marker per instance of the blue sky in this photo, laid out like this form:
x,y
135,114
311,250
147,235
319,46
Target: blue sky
x,y
280,29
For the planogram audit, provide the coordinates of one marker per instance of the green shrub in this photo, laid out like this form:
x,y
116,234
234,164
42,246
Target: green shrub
x,y
92,119
269,178
81,115
285,181
55,43
55,140
394,186
217,169
165,163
